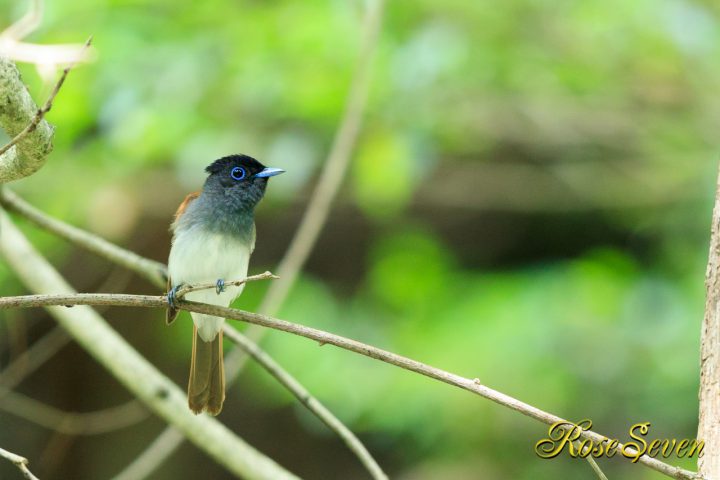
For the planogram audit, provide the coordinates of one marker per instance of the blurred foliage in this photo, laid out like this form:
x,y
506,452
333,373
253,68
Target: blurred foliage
x,y
528,204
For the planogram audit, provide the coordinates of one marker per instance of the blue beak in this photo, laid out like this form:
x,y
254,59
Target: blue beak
x,y
269,172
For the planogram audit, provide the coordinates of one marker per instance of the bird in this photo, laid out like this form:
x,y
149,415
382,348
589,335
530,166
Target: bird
x,y
213,236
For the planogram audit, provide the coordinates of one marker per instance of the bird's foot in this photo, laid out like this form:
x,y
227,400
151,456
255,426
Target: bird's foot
x,y
219,286
172,296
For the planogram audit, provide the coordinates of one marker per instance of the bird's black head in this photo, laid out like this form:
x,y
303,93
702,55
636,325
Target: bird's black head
x,y
238,181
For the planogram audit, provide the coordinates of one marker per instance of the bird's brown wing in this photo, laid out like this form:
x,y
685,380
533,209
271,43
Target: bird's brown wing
x,y
171,312
185,203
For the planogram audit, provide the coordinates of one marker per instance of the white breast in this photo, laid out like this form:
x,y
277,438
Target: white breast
x,y
198,256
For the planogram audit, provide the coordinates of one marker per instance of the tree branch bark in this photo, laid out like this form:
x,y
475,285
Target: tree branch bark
x,y
709,422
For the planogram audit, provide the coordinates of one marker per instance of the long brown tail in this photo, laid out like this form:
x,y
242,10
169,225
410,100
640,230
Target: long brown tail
x,y
206,389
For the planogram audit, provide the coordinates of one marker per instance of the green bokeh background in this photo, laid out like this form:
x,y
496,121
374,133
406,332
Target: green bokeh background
x,y
528,204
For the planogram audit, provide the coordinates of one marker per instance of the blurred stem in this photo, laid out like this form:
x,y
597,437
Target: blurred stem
x,y
709,427
71,423
323,338
32,358
593,464
28,23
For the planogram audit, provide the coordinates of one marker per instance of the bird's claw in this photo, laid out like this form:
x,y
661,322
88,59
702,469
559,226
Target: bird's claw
x,y
172,296
219,286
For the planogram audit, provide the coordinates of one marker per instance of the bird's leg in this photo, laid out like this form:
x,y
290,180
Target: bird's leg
x,y
172,296
219,286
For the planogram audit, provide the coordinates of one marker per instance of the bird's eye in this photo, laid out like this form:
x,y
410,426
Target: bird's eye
x,y
237,173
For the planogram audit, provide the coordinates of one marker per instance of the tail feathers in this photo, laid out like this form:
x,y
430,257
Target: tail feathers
x,y
206,389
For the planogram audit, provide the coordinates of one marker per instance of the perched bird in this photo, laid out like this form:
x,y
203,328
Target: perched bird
x,y
213,237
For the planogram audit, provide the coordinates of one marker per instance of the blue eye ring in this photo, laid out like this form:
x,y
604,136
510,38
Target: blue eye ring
x,y
238,173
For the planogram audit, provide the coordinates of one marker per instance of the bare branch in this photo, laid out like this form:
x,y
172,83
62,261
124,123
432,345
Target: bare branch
x,y
323,338
20,462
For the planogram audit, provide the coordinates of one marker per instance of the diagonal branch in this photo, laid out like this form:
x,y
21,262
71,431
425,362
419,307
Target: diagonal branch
x,y
323,338
33,358
20,462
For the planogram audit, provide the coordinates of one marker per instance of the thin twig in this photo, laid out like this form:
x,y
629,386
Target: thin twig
x,y
593,464
40,114
185,289
72,423
32,358
20,462
310,402
323,338
596,468
144,464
